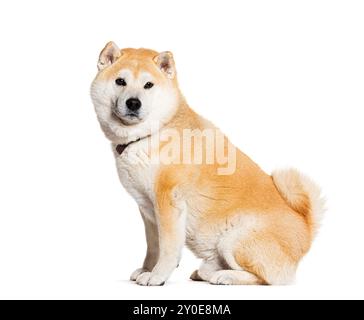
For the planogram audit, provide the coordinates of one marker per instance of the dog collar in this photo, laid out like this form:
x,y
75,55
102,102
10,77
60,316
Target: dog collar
x,y
120,148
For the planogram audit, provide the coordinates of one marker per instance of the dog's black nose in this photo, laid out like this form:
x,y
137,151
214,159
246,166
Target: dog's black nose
x,y
133,104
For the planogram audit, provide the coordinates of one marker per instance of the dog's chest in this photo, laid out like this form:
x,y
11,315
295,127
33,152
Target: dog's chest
x,y
137,173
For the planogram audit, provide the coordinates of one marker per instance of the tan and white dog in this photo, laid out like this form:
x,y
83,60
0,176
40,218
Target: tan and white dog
x,y
248,227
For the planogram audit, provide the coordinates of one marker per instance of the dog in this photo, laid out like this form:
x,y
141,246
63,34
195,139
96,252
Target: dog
x,y
248,227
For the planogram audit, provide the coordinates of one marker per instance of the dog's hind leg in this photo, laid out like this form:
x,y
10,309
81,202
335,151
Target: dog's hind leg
x,y
234,277
215,272
255,255
266,259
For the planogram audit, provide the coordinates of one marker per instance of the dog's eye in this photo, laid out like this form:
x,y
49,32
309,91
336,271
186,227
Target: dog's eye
x,y
120,82
149,85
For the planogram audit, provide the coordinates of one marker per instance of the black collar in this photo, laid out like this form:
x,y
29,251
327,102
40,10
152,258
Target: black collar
x,y
120,148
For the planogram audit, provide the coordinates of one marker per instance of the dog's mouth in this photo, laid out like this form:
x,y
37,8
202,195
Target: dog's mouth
x,y
132,115
128,119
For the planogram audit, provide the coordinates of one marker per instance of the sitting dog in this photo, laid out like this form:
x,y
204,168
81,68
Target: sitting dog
x,y
193,186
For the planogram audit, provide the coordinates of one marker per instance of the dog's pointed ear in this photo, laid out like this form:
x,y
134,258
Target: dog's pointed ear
x,y
165,63
108,55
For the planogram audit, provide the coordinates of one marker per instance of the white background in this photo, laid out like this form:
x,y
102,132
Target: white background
x,y
284,79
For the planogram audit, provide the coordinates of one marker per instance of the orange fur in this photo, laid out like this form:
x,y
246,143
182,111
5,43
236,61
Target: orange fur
x,y
286,235
254,226
136,60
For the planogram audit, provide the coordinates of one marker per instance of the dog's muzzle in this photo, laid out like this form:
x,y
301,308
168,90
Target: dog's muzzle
x,y
130,113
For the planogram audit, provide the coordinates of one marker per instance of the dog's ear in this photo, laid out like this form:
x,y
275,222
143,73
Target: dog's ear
x,y
165,63
108,55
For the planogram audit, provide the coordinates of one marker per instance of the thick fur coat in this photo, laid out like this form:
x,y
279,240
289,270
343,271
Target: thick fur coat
x,y
248,227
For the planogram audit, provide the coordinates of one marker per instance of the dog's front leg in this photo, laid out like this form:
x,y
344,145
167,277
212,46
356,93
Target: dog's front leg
x,y
151,233
171,221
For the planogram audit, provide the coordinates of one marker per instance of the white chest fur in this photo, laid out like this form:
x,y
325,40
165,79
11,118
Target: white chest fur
x,y
137,174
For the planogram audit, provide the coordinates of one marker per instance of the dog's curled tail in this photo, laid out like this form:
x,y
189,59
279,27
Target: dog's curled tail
x,y
302,195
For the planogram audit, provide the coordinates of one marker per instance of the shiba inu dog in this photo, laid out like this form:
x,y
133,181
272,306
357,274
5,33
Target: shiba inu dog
x,y
193,186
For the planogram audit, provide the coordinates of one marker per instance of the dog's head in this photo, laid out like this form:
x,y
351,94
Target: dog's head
x,y
134,89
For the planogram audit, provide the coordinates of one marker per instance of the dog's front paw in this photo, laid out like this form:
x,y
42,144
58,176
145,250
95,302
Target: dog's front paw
x,y
150,279
137,273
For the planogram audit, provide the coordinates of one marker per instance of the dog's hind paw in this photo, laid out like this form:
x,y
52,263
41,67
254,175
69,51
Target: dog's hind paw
x,y
195,276
222,278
